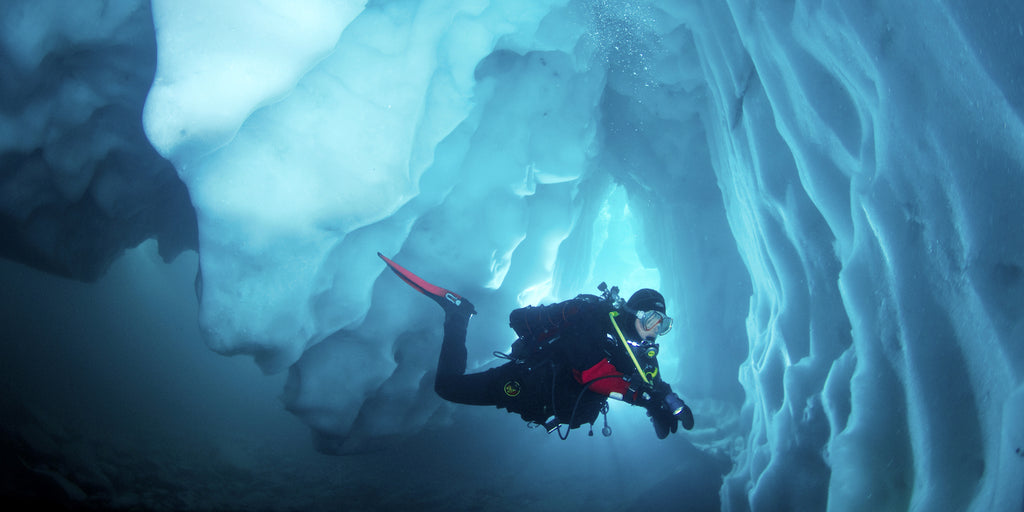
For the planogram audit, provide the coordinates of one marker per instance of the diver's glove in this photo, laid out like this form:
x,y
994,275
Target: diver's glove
x,y
664,422
679,410
667,415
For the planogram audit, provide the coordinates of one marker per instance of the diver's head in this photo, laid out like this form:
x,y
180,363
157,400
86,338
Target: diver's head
x,y
648,306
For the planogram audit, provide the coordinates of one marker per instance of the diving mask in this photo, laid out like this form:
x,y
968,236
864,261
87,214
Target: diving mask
x,y
652,320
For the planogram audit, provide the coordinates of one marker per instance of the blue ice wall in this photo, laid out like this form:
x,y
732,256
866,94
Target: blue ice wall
x,y
827,193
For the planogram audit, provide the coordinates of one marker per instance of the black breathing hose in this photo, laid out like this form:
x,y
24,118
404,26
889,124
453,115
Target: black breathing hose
x,y
576,406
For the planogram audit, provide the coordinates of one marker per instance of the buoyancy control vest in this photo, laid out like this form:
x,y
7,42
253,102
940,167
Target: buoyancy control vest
x,y
539,355
539,328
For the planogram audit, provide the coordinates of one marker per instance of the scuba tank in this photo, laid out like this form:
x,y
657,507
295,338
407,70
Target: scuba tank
x,y
538,327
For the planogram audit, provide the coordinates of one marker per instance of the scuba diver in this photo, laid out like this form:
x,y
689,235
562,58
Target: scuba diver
x,y
569,358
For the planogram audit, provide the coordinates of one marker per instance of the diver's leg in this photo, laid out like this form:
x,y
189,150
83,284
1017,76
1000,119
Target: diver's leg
x,y
506,386
451,383
452,361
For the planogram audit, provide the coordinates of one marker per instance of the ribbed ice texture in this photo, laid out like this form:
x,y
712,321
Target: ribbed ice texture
x,y
826,191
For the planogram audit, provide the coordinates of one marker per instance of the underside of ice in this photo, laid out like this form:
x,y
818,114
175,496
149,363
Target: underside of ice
x,y
828,194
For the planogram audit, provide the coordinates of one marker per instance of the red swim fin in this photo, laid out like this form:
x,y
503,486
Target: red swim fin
x,y
445,298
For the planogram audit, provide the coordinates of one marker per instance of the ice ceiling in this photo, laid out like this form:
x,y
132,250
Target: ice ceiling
x,y
828,193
